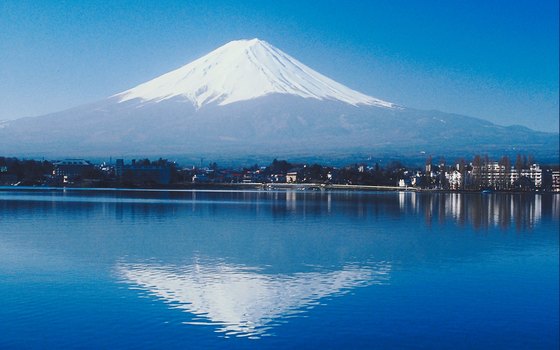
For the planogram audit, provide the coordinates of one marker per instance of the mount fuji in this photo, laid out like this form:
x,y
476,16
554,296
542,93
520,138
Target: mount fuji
x,y
244,70
250,98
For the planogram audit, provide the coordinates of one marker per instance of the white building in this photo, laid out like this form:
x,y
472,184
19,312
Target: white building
x,y
493,174
455,179
556,180
292,177
534,173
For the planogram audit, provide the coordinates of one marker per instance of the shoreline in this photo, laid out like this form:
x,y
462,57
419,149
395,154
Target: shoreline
x,y
258,187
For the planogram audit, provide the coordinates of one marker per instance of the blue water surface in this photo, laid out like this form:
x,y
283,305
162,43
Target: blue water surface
x,y
278,269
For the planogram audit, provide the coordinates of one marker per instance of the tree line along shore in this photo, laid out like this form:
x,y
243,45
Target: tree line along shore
x,y
480,174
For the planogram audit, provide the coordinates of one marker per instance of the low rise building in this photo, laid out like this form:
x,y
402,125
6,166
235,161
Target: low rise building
x,y
143,172
292,177
70,169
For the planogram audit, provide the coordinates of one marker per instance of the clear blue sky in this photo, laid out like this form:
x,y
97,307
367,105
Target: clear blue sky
x,y
497,60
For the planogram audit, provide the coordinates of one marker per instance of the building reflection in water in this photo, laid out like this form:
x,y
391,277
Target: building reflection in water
x,y
504,211
522,211
480,211
243,301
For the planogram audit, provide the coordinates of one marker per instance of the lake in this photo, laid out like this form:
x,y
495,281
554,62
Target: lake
x,y
278,269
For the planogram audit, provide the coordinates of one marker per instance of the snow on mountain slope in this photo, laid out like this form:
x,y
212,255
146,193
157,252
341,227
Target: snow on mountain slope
x,y
243,70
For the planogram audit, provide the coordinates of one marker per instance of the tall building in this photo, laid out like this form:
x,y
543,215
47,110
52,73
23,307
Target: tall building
x,y
556,180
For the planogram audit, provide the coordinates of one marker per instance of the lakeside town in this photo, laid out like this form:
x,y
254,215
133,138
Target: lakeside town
x,y
480,174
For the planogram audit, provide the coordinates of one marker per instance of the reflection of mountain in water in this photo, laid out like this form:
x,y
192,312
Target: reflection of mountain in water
x,y
243,301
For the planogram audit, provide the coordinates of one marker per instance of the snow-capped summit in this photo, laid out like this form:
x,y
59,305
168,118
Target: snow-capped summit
x,y
243,70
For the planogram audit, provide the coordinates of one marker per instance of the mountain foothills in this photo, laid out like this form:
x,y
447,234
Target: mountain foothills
x,y
250,98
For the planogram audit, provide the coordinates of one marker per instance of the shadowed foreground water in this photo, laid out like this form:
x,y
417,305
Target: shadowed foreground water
x,y
242,269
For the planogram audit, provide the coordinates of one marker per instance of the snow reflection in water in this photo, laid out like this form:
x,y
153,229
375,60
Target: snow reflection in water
x,y
243,301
